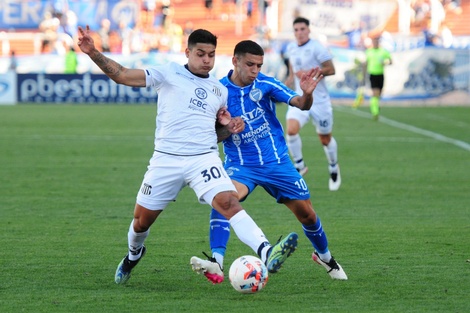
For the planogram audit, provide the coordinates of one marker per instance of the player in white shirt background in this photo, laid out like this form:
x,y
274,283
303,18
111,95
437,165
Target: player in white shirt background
x,y
190,102
305,54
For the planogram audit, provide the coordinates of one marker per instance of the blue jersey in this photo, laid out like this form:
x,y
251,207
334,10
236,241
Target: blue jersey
x,y
262,142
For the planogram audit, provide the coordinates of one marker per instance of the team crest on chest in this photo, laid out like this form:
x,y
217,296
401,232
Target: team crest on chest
x,y
200,93
216,90
256,94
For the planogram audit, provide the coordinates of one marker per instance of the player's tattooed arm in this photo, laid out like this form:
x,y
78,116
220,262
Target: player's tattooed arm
x,y
111,68
222,132
114,70
235,126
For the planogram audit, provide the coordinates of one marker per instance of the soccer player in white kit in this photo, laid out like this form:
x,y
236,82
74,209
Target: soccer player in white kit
x,y
190,102
304,55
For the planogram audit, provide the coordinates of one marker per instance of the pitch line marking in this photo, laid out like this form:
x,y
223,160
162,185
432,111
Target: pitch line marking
x,y
439,137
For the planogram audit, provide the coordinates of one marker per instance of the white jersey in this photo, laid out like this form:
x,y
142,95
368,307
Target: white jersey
x,y
186,109
305,57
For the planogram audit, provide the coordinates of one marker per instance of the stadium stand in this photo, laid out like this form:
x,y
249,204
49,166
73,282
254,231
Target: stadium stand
x,y
224,24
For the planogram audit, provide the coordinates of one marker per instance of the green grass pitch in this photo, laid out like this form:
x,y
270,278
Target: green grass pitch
x,y
399,225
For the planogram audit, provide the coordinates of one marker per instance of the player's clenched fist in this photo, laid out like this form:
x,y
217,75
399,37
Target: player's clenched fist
x,y
236,125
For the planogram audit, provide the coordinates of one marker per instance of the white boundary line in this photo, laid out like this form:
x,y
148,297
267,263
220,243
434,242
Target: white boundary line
x,y
462,144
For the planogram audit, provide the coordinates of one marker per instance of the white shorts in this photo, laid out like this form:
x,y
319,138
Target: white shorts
x,y
168,174
321,115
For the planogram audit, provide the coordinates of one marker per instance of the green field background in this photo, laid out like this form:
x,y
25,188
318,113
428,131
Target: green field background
x,y
399,225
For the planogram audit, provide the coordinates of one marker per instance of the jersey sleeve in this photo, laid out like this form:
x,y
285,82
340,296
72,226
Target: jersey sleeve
x,y
323,54
280,92
155,76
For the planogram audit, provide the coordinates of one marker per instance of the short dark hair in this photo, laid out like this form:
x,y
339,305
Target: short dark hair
x,y
201,36
301,20
247,46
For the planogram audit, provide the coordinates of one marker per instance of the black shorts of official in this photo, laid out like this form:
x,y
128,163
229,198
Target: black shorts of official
x,y
376,81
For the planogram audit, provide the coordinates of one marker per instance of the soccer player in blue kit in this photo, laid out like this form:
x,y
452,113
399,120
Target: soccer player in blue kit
x,y
258,156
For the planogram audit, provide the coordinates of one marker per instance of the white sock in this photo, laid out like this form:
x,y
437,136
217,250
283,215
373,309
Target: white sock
x,y
264,253
219,258
331,152
247,231
325,257
294,143
135,242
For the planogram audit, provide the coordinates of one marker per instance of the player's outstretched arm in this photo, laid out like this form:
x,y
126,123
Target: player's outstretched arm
x,y
308,83
112,69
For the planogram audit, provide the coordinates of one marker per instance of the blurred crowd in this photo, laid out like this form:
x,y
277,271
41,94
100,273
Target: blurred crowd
x,y
430,16
154,30
426,16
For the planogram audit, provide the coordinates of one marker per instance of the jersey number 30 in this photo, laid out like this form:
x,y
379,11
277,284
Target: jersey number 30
x,y
213,172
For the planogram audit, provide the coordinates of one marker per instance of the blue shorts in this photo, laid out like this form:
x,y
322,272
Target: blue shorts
x,y
280,180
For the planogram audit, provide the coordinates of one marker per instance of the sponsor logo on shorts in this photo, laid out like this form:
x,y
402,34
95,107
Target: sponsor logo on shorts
x,y
230,171
146,189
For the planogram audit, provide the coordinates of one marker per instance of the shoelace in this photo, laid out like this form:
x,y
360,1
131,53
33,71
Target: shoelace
x,y
333,265
213,260
334,176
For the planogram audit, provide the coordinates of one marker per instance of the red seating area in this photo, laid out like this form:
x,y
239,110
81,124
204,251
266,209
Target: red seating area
x,y
222,22
458,23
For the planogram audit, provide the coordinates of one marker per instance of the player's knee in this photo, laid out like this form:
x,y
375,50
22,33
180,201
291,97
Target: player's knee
x,y
325,139
144,218
308,219
226,203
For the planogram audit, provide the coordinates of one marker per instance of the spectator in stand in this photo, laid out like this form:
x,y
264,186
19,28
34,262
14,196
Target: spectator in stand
x,y
266,4
149,5
209,5
68,23
228,10
420,12
124,33
444,38
137,42
13,61
187,30
430,37
175,34
166,11
437,15
49,27
355,36
103,32
249,9
452,6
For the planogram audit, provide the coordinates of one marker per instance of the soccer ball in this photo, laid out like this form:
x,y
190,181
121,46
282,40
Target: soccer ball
x,y
248,274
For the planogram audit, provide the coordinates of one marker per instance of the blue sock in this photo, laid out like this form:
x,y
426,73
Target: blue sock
x,y
219,232
316,236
